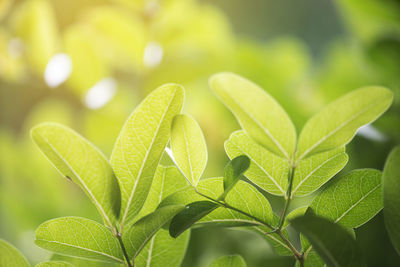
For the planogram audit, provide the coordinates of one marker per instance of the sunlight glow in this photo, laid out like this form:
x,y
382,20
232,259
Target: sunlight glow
x,y
153,54
370,132
57,70
101,93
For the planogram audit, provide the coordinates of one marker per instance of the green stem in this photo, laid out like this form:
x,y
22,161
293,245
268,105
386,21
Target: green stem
x,y
288,197
226,205
128,262
297,254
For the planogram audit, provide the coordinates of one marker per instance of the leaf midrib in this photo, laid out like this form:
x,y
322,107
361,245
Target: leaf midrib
x,y
79,178
277,144
262,168
315,170
78,247
356,203
144,161
338,128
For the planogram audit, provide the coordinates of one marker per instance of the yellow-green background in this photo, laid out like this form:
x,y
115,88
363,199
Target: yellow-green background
x,y
304,53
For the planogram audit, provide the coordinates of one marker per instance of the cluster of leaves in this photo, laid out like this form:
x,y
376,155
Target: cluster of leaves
x,y
137,197
283,166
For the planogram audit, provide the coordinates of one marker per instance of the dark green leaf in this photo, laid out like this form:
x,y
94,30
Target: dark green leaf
x,y
233,171
333,243
191,214
391,196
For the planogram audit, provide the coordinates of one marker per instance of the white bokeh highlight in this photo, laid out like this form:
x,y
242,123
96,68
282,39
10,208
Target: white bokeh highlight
x,y
370,132
153,54
58,70
101,93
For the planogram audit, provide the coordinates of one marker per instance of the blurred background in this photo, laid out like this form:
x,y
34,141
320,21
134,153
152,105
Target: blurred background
x,y
87,64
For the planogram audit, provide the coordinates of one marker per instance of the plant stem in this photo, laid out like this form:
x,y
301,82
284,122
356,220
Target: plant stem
x,y
288,197
297,254
226,205
128,262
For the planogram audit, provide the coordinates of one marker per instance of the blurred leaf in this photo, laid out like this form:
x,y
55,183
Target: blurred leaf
x,y
190,215
79,237
243,196
188,147
233,172
332,242
77,159
88,64
273,239
143,230
162,247
54,264
257,112
266,170
312,172
229,261
391,200
10,256
140,146
352,199
337,123
36,24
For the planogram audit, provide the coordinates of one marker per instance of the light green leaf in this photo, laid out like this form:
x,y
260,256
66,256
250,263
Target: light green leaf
x,y
162,247
54,264
233,172
140,146
144,229
314,171
333,243
352,199
257,112
192,213
188,147
243,196
266,170
77,159
10,256
337,123
391,199
79,237
229,261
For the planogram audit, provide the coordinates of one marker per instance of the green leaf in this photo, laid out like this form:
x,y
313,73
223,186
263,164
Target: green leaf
x,y
233,172
77,159
352,199
391,200
312,172
337,123
140,146
188,147
257,112
229,261
243,196
54,264
163,248
10,256
167,180
266,170
190,215
144,229
79,237
333,243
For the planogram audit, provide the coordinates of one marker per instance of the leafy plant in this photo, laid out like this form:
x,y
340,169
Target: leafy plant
x,y
118,188
137,197
282,164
